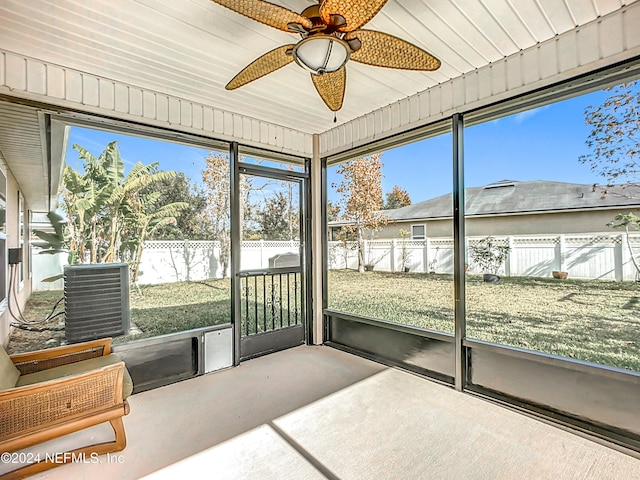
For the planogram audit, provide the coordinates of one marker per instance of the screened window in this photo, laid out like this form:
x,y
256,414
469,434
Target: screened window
x,y
173,225
418,232
381,264
552,224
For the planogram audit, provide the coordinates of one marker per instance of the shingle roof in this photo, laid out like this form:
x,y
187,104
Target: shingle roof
x,y
510,196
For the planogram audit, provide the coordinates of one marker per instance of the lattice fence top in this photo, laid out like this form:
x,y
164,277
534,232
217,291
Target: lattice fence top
x,y
592,240
161,245
446,242
415,243
633,238
180,244
551,240
519,240
270,243
380,243
202,244
497,240
340,244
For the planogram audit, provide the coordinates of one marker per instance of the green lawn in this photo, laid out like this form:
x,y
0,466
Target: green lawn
x,y
169,308
155,310
597,321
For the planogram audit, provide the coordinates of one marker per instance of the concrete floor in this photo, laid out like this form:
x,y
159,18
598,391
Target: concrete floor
x,y
316,412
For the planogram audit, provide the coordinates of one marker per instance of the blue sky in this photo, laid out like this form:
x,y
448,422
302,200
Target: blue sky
x,y
539,144
172,156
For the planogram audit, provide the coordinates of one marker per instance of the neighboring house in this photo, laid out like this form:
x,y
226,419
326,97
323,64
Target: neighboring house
x,y
510,207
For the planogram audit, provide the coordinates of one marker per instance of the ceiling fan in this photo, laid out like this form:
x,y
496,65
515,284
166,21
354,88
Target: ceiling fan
x,y
331,36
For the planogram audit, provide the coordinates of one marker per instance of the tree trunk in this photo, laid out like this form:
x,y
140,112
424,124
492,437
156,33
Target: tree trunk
x,y
138,258
224,252
633,258
93,255
110,254
360,250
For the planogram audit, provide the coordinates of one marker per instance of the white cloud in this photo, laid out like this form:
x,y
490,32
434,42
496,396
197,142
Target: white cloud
x,y
523,116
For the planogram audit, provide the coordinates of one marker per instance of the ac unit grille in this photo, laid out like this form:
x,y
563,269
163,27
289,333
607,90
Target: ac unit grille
x,y
96,301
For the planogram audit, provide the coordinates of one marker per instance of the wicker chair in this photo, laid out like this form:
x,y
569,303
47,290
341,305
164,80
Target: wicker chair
x,y
59,391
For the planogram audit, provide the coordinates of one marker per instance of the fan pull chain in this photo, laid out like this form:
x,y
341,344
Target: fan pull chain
x,y
335,118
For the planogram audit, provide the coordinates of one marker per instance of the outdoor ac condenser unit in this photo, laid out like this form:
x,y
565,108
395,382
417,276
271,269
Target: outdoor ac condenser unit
x,y
96,301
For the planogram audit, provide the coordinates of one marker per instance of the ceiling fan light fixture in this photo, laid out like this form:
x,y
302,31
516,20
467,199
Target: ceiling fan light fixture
x,y
321,53
332,35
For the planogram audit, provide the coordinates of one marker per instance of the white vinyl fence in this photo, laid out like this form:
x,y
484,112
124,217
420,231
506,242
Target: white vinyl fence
x,y
589,256
174,261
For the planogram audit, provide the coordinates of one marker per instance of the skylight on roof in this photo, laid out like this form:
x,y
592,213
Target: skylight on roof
x,y
500,184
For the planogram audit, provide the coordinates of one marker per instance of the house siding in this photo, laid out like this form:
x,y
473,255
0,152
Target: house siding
x,y
33,79
555,223
20,292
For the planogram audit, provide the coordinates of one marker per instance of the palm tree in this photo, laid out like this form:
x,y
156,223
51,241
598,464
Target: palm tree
x,y
124,195
101,203
144,218
84,198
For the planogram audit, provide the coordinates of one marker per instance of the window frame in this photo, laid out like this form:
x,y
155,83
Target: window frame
x,y
21,239
3,242
419,237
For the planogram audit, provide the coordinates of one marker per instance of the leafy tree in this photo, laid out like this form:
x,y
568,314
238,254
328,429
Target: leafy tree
x,y
192,223
397,198
274,221
216,177
145,214
614,142
125,193
361,198
290,211
614,139
77,199
333,211
104,206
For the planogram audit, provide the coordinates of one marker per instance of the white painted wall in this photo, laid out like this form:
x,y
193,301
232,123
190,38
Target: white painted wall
x,y
33,79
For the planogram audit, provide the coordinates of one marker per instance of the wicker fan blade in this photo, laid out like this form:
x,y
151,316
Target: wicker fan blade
x,y
355,12
384,50
265,12
330,87
264,65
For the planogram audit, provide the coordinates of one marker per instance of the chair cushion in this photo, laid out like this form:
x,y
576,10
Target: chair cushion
x,y
75,368
9,374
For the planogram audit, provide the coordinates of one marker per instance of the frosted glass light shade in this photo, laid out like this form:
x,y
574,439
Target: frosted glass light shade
x,y
321,53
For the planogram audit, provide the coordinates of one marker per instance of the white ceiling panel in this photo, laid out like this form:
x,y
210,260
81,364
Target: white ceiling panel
x,y
581,11
557,15
22,149
607,6
535,19
188,50
191,49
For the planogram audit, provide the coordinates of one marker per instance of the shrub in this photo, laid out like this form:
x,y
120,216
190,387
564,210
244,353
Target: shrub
x,y
489,254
